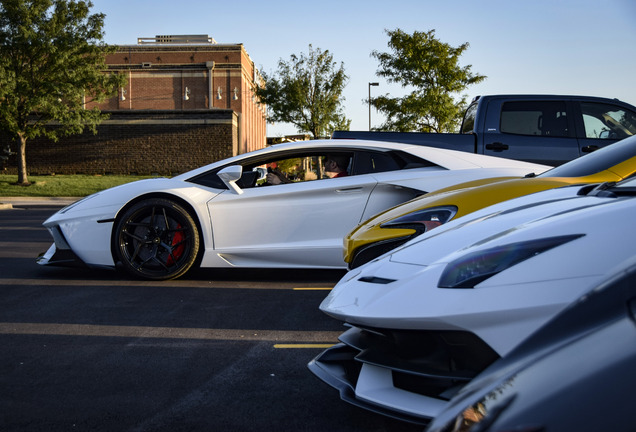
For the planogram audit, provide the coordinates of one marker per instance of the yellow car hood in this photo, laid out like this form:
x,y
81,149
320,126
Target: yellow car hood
x,y
467,197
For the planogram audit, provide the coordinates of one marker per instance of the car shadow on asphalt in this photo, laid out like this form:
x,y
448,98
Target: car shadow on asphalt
x,y
327,276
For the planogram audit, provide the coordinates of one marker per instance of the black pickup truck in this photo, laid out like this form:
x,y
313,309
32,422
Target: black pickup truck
x,y
547,129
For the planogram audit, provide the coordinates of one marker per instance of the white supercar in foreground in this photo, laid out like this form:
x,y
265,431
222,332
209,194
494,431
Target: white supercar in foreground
x,y
428,317
233,214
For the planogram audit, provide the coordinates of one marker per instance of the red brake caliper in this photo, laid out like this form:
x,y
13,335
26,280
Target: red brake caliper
x,y
178,251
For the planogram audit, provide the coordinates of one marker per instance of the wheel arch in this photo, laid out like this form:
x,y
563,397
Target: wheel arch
x,y
178,200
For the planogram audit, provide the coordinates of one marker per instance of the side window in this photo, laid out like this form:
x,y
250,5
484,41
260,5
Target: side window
x,y
292,168
297,169
375,162
469,119
302,168
317,165
539,118
607,121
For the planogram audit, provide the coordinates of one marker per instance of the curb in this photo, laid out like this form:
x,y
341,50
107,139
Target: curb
x,y
8,203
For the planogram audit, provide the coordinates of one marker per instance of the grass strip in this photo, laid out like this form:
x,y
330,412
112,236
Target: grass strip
x,y
61,185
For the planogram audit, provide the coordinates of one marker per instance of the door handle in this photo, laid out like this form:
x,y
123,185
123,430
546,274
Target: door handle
x,y
497,146
589,149
349,190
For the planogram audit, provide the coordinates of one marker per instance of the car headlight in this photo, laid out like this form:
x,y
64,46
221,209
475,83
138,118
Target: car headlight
x,y
480,416
423,220
476,267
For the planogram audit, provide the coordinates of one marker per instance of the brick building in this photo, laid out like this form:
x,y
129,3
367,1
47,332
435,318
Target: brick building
x,y
187,73
188,101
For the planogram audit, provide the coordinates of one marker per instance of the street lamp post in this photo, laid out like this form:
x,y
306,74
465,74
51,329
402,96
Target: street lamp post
x,y
375,84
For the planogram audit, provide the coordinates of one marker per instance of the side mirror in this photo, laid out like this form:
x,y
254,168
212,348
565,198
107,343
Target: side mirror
x,y
262,173
229,176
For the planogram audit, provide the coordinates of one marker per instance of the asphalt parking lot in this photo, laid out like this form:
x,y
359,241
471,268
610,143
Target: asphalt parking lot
x,y
218,350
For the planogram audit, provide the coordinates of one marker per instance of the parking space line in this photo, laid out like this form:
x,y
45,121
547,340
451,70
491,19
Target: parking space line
x,y
54,329
303,345
185,283
314,289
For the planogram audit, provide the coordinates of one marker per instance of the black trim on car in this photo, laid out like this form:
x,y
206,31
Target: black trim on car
x,y
373,250
435,364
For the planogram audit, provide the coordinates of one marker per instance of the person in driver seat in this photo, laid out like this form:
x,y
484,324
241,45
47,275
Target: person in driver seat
x,y
336,166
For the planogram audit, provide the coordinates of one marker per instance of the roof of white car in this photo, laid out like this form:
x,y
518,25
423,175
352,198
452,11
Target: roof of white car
x,y
449,159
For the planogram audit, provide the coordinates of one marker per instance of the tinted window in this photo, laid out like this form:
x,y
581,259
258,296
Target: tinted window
x,y
374,162
209,179
607,121
598,161
469,119
537,118
307,166
293,166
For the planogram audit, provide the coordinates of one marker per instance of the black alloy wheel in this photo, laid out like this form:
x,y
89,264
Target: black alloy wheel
x,y
156,239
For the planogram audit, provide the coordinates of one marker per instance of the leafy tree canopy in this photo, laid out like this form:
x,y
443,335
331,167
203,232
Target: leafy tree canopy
x,y
431,68
306,91
52,61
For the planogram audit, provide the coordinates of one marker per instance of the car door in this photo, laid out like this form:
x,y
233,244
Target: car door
x,y
601,124
540,131
296,224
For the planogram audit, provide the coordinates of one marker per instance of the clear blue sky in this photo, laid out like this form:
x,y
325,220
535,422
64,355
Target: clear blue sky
x,y
522,46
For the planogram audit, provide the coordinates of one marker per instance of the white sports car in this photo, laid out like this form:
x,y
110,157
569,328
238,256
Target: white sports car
x,y
582,361
428,317
285,206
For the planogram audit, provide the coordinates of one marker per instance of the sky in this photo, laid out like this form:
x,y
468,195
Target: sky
x,y
585,47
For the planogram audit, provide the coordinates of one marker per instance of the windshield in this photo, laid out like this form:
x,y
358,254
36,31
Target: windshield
x,y
627,183
596,162
625,188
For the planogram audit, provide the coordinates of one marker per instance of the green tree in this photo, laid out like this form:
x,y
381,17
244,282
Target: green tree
x,y
431,69
306,91
52,62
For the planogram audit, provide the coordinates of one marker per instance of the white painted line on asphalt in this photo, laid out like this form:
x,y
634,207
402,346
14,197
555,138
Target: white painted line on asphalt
x,y
53,329
179,283
313,289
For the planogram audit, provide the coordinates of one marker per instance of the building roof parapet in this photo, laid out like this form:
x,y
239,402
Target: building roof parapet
x,y
176,47
177,39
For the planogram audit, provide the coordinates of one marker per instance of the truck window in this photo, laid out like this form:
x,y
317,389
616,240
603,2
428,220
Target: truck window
x,y
469,119
607,121
539,118
603,159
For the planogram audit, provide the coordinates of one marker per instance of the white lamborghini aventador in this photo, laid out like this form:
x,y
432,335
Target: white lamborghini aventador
x,y
285,206
426,318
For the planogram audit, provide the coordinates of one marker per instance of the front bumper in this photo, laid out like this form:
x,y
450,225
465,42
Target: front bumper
x,y
407,375
60,253
60,257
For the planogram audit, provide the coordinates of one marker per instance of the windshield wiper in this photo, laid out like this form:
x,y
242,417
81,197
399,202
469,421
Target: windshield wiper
x,y
603,190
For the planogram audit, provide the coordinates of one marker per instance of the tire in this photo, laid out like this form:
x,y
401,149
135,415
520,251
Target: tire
x,y
156,239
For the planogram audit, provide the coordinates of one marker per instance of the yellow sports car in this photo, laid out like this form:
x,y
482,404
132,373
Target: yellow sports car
x,y
399,224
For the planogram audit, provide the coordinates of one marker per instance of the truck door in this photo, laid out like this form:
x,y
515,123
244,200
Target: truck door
x,y
531,130
601,124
